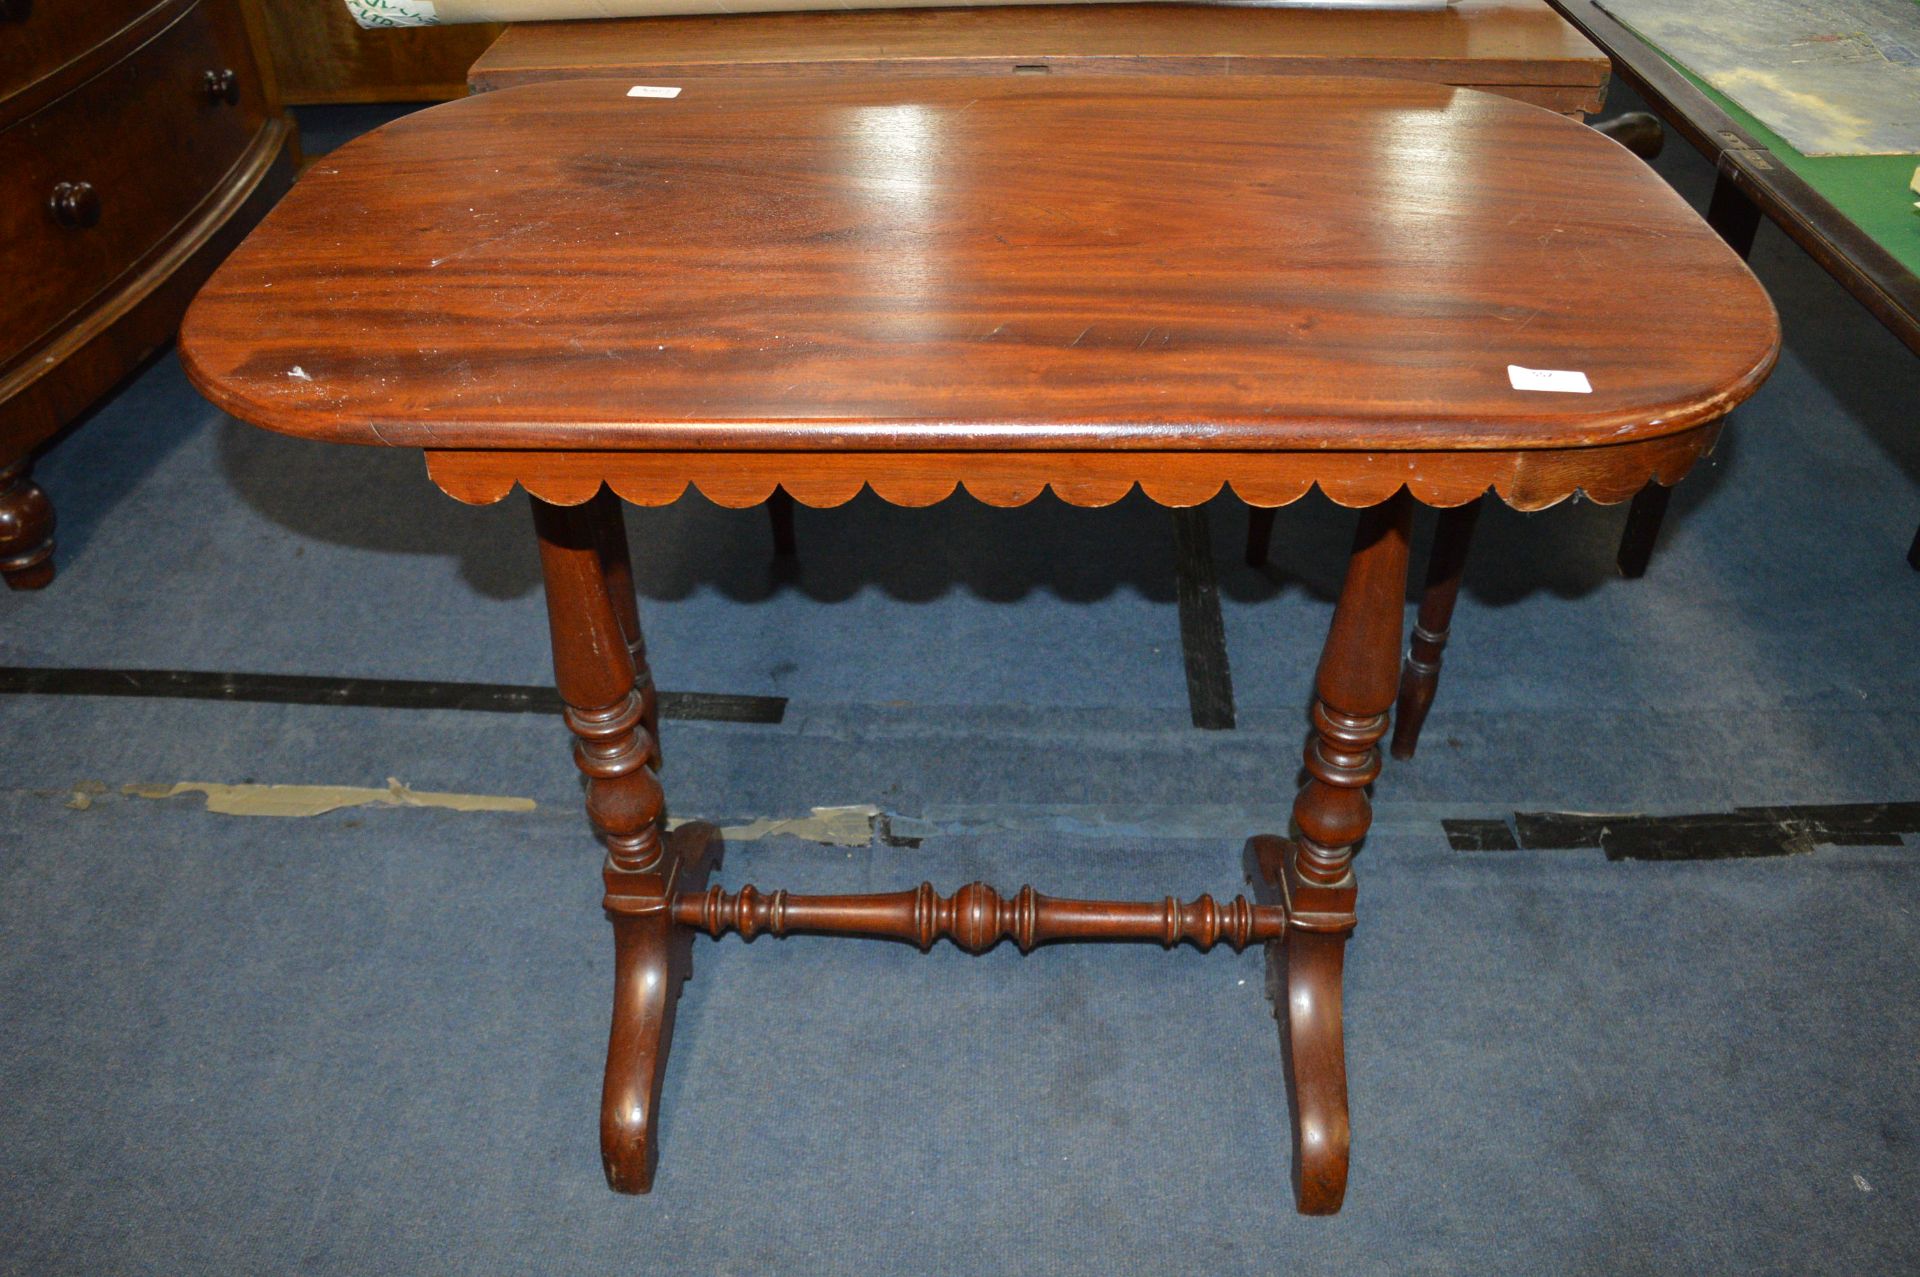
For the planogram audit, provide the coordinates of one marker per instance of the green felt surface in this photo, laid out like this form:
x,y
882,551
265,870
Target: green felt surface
x,y
1869,190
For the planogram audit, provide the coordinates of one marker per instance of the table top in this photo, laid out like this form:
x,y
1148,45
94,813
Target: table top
x,y
1015,263
1515,42
1871,191
1852,212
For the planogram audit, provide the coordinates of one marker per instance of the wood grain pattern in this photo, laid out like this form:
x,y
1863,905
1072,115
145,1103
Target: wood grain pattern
x,y
1492,42
980,264
49,47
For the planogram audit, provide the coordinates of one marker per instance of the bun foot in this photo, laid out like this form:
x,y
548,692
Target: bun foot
x,y
651,958
26,530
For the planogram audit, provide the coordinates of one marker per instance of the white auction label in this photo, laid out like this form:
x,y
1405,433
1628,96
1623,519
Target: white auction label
x,y
654,91
1559,380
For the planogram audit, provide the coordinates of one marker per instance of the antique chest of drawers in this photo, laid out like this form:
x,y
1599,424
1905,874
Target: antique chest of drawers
x,y
138,143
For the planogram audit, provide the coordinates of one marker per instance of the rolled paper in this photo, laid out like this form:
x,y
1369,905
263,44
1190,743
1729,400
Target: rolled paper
x,y
427,13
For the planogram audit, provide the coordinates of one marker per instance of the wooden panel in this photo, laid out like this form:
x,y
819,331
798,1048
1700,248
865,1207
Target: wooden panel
x,y
39,38
995,263
321,55
1520,42
148,137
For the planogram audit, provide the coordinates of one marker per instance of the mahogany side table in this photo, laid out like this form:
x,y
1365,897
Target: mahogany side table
x,y
1395,291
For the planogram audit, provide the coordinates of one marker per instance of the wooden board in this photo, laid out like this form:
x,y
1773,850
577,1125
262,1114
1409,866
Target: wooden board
x,y
1517,43
1235,262
321,55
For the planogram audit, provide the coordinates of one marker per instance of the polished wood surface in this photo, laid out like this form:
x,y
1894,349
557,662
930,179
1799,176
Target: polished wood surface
x,y
1517,48
321,55
26,529
1520,46
41,39
138,183
126,172
1353,692
976,917
600,670
1010,286
984,264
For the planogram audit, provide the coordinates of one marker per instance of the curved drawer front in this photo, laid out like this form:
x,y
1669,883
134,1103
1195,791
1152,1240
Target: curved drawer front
x,y
38,37
93,181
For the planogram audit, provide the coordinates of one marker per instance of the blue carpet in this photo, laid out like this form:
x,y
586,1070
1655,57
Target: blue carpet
x,y
369,1041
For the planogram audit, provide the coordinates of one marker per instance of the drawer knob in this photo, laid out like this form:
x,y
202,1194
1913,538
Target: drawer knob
x,y
75,204
222,86
15,10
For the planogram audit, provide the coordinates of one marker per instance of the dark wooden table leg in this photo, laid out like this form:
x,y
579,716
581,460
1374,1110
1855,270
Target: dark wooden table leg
x,y
610,532
1913,552
1420,677
1314,872
26,529
1260,519
780,514
1733,215
600,670
1737,219
1644,517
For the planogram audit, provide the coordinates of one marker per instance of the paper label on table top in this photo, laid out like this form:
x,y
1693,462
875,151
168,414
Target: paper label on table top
x,y
654,91
1556,379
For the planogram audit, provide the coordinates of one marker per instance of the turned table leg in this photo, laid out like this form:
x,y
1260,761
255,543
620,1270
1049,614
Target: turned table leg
x,y
599,667
26,529
780,515
1314,872
609,526
1737,219
1420,677
1260,520
1644,517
